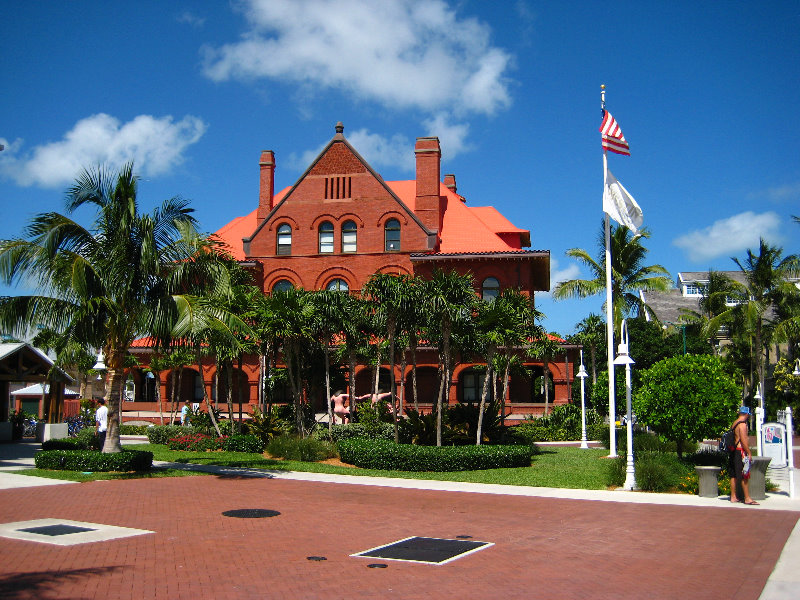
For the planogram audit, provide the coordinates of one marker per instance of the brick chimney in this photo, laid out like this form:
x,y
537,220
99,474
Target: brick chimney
x,y
428,203
267,185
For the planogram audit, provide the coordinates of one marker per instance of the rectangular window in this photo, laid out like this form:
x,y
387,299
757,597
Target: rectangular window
x,y
349,243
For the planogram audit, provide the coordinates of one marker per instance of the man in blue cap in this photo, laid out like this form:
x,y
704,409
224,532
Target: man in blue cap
x,y
739,457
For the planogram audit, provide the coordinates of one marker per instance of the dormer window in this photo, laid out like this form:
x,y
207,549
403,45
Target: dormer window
x,y
326,238
337,188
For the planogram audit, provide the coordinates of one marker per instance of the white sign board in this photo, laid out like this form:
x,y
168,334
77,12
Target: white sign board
x,y
774,436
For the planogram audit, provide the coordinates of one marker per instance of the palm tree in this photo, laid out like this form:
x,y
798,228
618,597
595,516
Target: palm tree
x,y
449,296
592,333
106,285
545,347
628,273
294,324
754,302
391,295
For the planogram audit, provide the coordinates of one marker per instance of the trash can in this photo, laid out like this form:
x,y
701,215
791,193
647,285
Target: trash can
x,y
708,481
758,476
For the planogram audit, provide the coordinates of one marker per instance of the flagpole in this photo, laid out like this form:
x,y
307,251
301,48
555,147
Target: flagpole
x,y
612,406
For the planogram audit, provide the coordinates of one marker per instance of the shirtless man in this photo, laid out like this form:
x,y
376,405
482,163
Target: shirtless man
x,y
736,456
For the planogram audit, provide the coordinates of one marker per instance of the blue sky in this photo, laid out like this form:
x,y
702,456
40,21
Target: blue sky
x,y
706,94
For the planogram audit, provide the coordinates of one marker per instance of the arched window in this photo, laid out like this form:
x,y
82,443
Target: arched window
x,y
326,238
282,285
284,240
490,288
349,237
337,285
391,235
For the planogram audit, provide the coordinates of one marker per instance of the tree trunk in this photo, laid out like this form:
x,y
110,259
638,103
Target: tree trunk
x,y
326,344
392,385
414,374
485,392
205,393
229,391
546,387
116,372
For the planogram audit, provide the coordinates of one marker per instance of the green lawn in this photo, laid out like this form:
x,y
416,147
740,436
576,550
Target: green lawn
x,y
559,467
556,467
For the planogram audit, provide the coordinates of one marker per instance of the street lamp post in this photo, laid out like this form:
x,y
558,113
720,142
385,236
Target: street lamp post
x,y
624,359
759,419
583,375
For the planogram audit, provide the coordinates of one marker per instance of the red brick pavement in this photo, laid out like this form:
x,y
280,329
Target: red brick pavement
x,y
544,548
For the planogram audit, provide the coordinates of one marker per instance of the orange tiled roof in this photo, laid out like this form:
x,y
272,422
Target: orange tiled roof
x,y
464,228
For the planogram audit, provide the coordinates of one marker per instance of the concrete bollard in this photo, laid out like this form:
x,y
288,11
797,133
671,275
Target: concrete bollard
x,y
708,481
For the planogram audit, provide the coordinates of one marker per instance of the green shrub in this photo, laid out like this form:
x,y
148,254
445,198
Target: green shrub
x,y
267,425
561,425
380,454
384,431
86,439
161,434
615,476
64,444
658,471
244,443
133,429
89,460
303,449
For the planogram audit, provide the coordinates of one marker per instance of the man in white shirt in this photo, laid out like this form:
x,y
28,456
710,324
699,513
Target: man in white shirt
x,y
101,422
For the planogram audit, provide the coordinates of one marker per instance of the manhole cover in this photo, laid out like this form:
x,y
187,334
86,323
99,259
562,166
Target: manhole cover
x,y
376,566
54,530
425,550
251,513
463,537
317,558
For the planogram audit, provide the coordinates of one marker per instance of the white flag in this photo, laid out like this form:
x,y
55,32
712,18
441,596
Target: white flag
x,y
620,205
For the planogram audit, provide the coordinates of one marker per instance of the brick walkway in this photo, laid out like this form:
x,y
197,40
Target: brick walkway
x,y
544,547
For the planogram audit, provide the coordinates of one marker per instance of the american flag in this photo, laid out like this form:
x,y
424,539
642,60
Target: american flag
x,y
612,136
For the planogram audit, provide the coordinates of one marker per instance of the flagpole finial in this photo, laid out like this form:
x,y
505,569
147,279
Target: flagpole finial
x,y
603,96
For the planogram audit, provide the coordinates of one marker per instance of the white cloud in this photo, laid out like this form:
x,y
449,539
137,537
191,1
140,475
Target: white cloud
x,y
571,271
452,136
782,193
156,145
416,54
730,236
189,18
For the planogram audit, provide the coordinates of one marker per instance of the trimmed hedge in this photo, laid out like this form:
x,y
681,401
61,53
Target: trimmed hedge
x,y
384,455
90,460
133,429
383,431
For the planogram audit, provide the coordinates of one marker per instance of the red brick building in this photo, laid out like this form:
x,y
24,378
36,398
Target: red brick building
x,y
341,222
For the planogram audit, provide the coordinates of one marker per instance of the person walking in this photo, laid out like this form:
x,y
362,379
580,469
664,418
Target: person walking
x,y
739,457
101,422
186,413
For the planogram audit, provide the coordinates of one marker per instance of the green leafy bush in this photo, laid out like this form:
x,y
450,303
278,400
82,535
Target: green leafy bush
x,y
244,443
303,449
161,434
687,398
562,424
86,439
89,460
659,471
266,425
380,454
384,431
133,429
